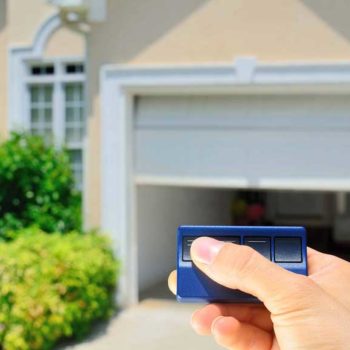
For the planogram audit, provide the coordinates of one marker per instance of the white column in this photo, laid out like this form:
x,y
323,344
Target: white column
x,y
117,185
58,105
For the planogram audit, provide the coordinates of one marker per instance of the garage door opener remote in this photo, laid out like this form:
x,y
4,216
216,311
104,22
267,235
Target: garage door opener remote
x,y
285,246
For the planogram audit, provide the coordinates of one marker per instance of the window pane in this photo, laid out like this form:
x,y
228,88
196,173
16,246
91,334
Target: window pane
x,y
70,135
34,94
69,114
34,115
48,115
36,70
80,96
74,135
74,113
47,134
69,92
76,159
48,93
74,68
47,69
41,111
76,156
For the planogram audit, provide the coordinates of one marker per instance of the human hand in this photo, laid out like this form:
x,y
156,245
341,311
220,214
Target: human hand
x,y
298,312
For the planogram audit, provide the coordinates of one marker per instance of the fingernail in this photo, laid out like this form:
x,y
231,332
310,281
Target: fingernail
x,y
205,249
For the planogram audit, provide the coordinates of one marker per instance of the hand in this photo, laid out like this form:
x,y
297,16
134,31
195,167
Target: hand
x,y
298,312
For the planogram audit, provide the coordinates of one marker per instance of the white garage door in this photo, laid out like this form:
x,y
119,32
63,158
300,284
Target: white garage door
x,y
265,141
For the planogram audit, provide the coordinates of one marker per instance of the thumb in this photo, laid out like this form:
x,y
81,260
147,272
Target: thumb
x,y
241,267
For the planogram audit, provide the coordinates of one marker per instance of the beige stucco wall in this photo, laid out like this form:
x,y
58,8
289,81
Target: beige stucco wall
x,y
24,19
191,31
65,43
169,31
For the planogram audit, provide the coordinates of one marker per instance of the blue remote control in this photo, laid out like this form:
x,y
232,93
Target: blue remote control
x,y
286,246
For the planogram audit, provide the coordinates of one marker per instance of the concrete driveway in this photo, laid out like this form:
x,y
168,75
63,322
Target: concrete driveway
x,y
152,325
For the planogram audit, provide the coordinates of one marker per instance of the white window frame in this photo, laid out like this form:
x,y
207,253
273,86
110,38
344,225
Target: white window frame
x,y
58,80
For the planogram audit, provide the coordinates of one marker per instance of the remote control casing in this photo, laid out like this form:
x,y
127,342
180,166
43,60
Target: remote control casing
x,y
284,245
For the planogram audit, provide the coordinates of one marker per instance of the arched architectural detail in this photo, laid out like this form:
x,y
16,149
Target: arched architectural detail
x,y
44,33
18,56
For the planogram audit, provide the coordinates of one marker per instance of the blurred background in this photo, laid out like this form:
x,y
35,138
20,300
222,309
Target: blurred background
x,y
122,119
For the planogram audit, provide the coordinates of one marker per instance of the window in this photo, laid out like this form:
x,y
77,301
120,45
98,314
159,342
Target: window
x,y
75,127
41,110
74,68
76,159
74,112
56,108
42,70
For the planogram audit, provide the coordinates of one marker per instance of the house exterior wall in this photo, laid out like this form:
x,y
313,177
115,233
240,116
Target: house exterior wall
x,y
65,43
201,31
24,19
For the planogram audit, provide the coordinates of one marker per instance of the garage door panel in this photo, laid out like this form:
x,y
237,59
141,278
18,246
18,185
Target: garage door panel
x,y
177,138
249,111
246,153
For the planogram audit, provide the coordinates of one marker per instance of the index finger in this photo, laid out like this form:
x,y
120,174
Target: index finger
x,y
172,281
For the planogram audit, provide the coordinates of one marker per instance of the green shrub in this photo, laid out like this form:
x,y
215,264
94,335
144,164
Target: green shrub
x,y
53,287
36,187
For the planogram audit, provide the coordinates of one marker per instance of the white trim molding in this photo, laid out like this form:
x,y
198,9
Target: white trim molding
x,y
245,74
306,185
119,86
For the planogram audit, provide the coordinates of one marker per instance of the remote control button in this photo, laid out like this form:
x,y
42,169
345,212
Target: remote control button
x,y
187,242
260,244
288,249
186,248
228,239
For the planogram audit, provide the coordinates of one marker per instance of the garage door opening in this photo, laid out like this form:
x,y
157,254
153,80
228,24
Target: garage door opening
x,y
161,209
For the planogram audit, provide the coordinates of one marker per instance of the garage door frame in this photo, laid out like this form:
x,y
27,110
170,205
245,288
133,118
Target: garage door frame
x,y
119,86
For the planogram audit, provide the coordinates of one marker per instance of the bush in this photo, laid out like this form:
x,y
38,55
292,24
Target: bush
x,y
52,287
36,187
